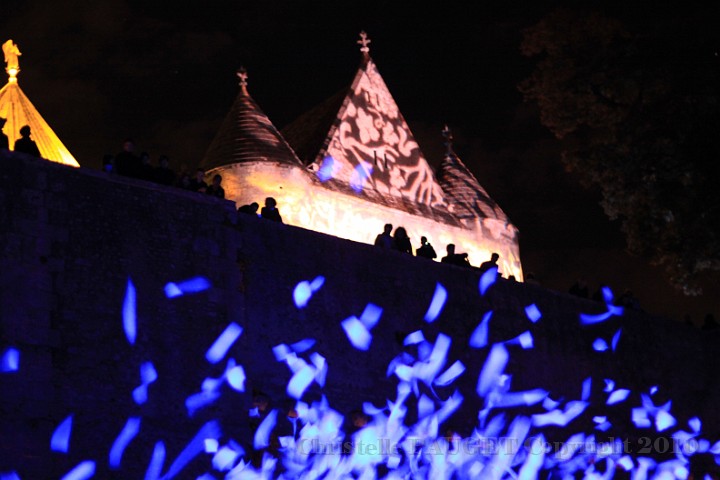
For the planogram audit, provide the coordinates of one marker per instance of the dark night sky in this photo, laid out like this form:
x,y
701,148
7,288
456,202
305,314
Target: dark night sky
x,y
163,73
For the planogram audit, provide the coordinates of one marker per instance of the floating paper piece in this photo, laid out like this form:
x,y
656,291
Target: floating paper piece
x,y
262,434
281,352
316,283
558,417
211,445
192,285
653,390
197,401
196,446
148,375
626,463
550,404
525,340
695,424
223,343
82,471
609,385
514,399
325,172
302,294
588,319
487,279
586,388
321,368
533,313
60,440
303,345
600,345
450,374
156,462
236,378
616,339
129,313
492,369
371,315
425,406
10,361
9,476
129,431
479,337
663,420
357,333
300,381
414,338
437,303
534,460
640,418
617,396
225,458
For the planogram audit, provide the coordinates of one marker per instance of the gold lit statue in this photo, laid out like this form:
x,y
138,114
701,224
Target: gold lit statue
x,y
12,52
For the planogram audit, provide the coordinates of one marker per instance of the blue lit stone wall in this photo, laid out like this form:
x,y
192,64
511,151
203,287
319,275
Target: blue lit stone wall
x,y
71,238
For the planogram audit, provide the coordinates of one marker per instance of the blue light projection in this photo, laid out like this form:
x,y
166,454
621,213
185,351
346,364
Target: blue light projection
x,y
10,361
516,447
192,285
487,279
325,172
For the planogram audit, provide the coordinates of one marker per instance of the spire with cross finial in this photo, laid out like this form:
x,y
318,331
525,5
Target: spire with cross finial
x,y
447,133
364,42
243,76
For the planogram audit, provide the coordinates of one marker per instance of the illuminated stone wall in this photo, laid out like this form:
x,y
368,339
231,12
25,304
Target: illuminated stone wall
x,y
71,238
304,202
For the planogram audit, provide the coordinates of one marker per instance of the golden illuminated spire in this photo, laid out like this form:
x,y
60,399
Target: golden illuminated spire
x,y
19,111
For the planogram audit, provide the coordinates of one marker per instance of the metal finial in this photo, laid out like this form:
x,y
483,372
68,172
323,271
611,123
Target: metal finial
x,y
243,76
364,42
12,52
447,133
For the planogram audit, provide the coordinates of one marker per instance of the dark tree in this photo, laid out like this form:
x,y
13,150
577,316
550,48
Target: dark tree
x,y
638,115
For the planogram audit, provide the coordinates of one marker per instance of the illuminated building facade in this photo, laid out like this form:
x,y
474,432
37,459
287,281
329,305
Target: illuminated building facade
x,y
351,165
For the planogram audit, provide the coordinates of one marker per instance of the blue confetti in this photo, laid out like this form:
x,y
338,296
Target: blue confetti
x,y
192,285
60,440
436,304
223,343
558,417
195,402
225,458
210,445
281,352
262,434
236,378
586,389
129,313
663,420
640,418
129,431
616,339
317,282
371,315
303,345
487,279
196,446
300,381
587,319
156,462
695,424
82,471
479,337
9,476
450,374
302,294
626,463
653,390
532,313
607,294
414,338
617,396
600,345
10,360
359,175
534,461
356,332
321,368
609,385
514,399
525,340
492,369
148,375
325,172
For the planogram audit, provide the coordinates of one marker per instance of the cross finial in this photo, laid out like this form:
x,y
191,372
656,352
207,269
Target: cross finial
x,y
243,76
364,42
447,133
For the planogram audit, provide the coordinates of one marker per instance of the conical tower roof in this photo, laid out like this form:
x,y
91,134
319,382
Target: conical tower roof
x,y
466,198
247,135
366,135
19,111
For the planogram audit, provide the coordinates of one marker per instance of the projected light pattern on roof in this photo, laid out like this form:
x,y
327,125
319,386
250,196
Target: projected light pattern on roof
x,y
508,441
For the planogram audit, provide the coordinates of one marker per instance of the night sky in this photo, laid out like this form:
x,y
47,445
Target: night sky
x,y
164,75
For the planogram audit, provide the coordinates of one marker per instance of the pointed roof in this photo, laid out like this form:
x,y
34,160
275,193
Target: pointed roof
x,y
247,135
19,111
364,132
467,199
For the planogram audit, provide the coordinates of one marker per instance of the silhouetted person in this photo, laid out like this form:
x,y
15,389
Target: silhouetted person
x,y
530,279
709,322
628,300
215,189
197,183
459,259
579,289
426,250
147,171
108,163
249,209
384,239
126,162
25,144
3,138
270,210
164,175
401,241
492,263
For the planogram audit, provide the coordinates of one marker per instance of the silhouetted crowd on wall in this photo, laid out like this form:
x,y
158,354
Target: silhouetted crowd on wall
x,y
24,144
